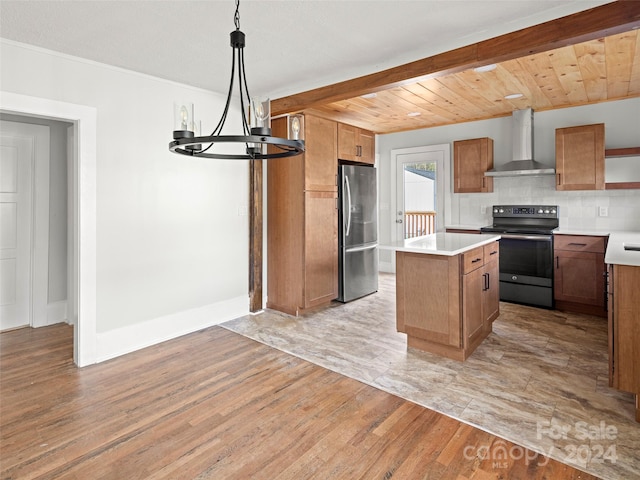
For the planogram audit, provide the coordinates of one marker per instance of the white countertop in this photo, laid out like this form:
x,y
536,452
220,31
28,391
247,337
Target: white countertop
x,y
574,231
464,227
441,243
617,255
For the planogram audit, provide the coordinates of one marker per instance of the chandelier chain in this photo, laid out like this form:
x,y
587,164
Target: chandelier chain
x,y
236,17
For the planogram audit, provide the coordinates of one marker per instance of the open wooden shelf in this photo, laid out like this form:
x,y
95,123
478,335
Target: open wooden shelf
x,y
621,152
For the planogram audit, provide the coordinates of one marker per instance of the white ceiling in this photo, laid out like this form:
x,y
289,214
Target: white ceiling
x,y
292,46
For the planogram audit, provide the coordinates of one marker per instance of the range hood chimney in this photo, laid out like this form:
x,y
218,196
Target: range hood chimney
x,y
522,144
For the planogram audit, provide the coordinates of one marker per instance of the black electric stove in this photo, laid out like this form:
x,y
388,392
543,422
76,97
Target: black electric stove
x,y
526,252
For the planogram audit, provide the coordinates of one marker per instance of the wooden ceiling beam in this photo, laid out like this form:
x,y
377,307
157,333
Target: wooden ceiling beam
x,y
598,22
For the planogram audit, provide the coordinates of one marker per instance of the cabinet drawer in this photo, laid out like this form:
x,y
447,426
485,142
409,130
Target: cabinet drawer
x,y
473,259
491,252
579,243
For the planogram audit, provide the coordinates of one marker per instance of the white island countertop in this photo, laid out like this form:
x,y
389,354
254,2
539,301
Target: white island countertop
x,y
441,243
616,253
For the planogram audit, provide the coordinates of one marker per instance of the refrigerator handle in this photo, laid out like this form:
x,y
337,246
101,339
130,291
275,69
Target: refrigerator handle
x,y
348,206
361,249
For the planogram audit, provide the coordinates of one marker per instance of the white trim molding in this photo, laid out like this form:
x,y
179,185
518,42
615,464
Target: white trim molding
x,y
120,341
57,312
85,120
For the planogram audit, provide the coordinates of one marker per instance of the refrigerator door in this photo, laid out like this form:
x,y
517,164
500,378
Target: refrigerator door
x,y
359,275
359,212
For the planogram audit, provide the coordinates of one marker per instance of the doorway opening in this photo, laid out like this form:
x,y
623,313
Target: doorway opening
x,y
422,174
37,250
83,147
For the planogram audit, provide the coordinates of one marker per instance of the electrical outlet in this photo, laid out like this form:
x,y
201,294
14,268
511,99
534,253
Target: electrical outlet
x,y
603,211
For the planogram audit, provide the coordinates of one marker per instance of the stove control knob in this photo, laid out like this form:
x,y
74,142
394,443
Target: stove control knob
x,y
501,210
540,211
553,210
546,211
495,210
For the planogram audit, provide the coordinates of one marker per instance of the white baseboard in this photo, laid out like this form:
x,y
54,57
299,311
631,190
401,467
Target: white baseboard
x,y
140,335
56,312
387,267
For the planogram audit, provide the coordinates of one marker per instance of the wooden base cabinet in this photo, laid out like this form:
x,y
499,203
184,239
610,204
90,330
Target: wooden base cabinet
x,y
624,330
579,279
320,249
446,304
302,221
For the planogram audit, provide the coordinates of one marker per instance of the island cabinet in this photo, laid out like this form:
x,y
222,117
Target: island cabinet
x,y
302,220
624,330
446,304
580,158
471,159
579,276
355,144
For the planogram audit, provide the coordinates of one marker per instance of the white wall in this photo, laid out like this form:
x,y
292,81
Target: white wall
x,y
577,209
170,241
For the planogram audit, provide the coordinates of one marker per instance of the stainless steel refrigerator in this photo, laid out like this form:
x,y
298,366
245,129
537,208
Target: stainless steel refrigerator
x,y
358,232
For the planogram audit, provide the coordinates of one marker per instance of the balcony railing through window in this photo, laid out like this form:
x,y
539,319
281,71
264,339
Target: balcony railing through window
x,y
417,224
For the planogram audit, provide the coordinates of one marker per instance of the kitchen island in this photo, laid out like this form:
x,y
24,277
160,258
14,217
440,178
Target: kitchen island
x,y
447,292
623,261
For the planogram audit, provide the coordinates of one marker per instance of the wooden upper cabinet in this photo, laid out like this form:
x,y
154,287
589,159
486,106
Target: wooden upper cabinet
x,y
471,158
347,142
367,146
580,158
320,157
355,144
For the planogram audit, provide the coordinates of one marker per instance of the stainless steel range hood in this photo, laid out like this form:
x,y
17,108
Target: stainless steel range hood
x,y
522,144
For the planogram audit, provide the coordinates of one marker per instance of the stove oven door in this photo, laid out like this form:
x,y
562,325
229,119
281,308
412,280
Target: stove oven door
x,y
526,269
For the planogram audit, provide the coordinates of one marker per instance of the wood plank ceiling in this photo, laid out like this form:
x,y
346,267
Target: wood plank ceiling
x,y
590,72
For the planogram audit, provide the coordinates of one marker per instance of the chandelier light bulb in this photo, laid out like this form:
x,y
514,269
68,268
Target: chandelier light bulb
x,y
260,112
184,117
295,127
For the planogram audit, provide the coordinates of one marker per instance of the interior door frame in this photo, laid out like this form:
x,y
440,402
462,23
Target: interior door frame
x,y
443,217
83,196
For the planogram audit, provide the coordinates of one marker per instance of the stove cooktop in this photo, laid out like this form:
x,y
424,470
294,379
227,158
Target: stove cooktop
x,y
525,231
523,219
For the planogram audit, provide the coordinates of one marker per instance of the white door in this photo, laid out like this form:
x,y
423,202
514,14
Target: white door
x,y
420,190
16,210
24,224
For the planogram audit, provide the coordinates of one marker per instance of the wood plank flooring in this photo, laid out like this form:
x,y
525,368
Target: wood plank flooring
x,y
215,404
539,372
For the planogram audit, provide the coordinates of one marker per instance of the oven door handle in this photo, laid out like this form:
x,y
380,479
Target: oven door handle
x,y
545,238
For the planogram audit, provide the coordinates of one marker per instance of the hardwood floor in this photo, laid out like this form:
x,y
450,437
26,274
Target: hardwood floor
x,y
538,380
215,404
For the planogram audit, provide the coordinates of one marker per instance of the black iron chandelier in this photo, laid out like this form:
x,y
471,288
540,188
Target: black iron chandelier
x,y
256,129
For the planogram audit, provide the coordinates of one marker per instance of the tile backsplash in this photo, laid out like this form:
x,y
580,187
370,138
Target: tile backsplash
x,y
580,210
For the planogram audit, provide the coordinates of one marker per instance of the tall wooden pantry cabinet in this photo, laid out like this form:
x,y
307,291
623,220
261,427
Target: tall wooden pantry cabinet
x,y
302,220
